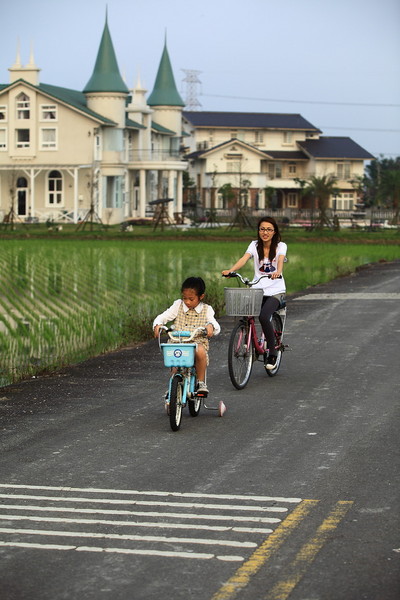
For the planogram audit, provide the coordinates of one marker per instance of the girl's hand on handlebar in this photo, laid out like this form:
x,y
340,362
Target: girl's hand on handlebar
x,y
210,330
156,331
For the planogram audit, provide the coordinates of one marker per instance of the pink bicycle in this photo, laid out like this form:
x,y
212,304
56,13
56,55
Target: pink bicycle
x,y
247,342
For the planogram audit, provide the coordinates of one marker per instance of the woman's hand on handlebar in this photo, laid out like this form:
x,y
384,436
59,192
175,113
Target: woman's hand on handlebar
x,y
228,273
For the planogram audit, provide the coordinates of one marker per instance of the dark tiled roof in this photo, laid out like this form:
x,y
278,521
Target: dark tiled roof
x,y
334,147
282,155
248,120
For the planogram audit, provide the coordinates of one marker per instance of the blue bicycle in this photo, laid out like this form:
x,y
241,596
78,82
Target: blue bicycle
x,y
179,356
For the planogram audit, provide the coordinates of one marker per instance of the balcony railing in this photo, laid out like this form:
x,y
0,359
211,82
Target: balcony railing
x,y
153,155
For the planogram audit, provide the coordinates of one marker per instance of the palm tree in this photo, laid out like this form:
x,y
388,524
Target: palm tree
x,y
320,189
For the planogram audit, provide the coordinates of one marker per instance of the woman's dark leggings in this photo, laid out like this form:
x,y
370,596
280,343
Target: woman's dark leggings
x,y
269,306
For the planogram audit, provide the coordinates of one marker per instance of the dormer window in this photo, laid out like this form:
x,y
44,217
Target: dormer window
x,y
23,106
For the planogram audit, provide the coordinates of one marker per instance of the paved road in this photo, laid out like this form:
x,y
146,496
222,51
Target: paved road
x,y
292,494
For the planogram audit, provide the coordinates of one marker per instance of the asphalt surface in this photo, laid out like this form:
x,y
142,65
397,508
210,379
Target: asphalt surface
x,y
294,493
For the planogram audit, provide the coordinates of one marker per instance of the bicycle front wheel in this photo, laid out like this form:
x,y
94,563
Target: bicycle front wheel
x,y
240,355
277,325
175,403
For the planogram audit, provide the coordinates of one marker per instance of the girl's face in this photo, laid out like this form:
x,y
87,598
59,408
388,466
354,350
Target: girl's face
x,y
266,231
190,298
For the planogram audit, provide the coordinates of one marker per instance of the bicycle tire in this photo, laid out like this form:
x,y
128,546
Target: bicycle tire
x,y
194,406
175,403
240,358
277,325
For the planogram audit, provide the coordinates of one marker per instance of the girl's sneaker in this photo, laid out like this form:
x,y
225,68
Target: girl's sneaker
x,y
271,362
202,388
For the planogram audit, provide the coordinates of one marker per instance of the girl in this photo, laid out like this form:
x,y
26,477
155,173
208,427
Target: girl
x,y
268,253
187,314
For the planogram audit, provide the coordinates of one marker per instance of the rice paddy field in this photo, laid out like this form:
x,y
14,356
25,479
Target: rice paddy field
x,y
62,301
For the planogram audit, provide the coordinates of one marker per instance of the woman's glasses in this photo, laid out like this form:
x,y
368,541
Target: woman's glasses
x,y
266,229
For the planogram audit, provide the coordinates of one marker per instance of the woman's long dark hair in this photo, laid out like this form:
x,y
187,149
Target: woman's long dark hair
x,y
274,242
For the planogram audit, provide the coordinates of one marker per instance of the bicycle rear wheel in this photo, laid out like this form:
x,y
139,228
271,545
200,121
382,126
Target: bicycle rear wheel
x,y
175,403
240,355
277,325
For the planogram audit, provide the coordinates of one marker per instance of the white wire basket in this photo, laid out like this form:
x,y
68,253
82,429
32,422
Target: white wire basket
x,y
243,302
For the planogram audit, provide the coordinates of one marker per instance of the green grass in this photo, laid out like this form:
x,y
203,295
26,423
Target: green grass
x,y
64,299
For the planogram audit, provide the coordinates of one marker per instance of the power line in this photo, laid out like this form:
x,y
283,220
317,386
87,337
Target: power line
x,y
375,104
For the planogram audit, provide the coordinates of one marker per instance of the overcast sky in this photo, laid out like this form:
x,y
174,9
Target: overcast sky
x,y
336,62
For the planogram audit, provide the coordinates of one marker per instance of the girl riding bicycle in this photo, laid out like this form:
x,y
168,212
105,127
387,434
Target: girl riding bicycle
x,y
268,253
189,313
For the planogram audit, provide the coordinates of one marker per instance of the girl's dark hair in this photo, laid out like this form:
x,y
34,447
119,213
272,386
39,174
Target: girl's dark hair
x,y
274,242
194,283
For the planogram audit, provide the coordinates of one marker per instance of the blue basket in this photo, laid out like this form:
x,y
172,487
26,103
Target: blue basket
x,y
178,355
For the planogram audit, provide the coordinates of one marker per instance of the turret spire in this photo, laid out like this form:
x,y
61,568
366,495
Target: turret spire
x,y
165,92
106,76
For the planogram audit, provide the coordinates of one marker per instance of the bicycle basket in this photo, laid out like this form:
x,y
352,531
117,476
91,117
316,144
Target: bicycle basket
x,y
178,355
243,302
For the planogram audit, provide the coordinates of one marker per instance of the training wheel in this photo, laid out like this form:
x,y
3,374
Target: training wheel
x,y
221,409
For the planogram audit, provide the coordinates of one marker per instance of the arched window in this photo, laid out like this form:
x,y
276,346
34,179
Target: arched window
x,y
23,106
55,189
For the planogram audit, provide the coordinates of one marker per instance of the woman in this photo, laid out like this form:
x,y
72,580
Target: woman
x,y
268,253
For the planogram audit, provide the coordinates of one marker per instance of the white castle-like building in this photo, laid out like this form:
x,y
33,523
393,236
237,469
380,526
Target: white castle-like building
x,y
111,150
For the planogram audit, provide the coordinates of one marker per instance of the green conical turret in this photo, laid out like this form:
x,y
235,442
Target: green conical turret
x,y
165,92
106,76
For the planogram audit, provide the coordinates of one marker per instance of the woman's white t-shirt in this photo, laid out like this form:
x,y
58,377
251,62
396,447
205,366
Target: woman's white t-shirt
x,y
271,287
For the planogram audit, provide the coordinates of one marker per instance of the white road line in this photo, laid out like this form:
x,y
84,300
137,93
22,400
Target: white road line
x,y
352,296
237,507
153,493
192,516
196,555
147,524
135,538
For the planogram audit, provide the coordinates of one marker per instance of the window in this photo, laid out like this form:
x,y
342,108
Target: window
x,y
287,137
55,189
292,168
345,201
23,106
275,170
233,166
292,200
3,139
48,112
48,138
343,170
23,138
258,137
3,113
233,134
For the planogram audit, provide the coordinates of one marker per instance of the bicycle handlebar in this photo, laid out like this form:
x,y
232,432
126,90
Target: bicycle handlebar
x,y
247,281
189,336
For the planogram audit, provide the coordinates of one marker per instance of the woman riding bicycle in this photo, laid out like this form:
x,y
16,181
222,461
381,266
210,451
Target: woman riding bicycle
x,y
268,253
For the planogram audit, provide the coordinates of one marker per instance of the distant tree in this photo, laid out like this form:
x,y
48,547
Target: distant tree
x,y
320,189
389,190
375,182
227,192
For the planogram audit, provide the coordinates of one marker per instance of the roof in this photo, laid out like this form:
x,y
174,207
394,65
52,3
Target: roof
x,y
165,92
161,128
334,147
106,76
282,155
233,141
73,98
133,124
236,120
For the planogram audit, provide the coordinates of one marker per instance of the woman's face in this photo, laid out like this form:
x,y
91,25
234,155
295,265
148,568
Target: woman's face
x,y
266,231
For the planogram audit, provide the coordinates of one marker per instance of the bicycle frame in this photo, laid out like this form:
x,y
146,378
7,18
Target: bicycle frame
x,y
245,346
